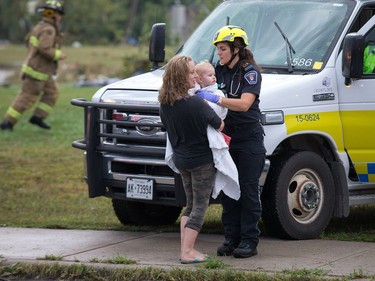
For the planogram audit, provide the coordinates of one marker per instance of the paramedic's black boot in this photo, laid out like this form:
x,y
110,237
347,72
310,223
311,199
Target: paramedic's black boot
x,y
6,125
245,250
227,248
39,122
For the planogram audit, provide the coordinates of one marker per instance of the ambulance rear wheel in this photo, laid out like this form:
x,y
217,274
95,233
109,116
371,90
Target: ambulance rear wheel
x,y
137,213
298,198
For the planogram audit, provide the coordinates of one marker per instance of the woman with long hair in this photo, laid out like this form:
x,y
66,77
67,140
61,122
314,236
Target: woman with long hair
x,y
186,118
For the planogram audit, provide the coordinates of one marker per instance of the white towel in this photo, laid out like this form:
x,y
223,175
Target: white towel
x,y
227,175
226,179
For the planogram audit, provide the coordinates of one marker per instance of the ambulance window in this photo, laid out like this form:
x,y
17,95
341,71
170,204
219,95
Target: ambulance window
x,y
370,36
365,15
369,43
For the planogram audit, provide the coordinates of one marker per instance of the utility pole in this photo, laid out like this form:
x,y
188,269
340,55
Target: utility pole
x,y
131,18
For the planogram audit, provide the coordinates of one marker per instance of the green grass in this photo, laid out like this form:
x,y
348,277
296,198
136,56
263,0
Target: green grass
x,y
115,260
87,55
50,258
88,61
79,271
42,175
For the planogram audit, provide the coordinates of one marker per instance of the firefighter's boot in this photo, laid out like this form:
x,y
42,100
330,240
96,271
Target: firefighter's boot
x,y
39,122
6,125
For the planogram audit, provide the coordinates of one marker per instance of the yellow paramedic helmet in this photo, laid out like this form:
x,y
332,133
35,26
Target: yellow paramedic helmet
x,y
229,33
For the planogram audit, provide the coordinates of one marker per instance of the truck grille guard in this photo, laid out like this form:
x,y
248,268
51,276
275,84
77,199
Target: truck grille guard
x,y
100,128
139,138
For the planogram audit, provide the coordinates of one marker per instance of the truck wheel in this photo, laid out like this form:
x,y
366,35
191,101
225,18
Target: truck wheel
x,y
299,196
138,213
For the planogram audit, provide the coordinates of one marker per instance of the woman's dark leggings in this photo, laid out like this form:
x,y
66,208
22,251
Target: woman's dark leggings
x,y
198,184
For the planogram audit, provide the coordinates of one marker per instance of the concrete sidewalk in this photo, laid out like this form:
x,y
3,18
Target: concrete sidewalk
x,y
337,258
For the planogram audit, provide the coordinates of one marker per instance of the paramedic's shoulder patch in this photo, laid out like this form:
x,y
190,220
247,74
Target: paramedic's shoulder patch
x,y
251,77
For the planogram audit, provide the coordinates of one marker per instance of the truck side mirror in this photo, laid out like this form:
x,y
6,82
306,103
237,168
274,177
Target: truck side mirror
x,y
352,57
156,52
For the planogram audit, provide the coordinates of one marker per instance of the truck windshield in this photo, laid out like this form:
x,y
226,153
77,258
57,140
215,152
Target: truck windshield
x,y
310,27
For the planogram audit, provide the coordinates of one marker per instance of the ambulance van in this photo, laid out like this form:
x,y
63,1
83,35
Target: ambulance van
x,y
318,114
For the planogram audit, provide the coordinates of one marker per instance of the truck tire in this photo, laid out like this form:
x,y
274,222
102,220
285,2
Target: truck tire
x,y
138,213
299,196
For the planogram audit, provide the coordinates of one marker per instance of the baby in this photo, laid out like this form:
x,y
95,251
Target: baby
x,y
207,82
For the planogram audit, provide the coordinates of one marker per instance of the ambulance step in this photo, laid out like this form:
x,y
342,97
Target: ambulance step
x,y
362,199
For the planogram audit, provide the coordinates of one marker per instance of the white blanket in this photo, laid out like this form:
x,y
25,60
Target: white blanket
x,y
226,179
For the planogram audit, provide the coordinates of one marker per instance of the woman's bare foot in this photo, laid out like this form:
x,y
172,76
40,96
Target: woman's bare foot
x,y
190,255
198,259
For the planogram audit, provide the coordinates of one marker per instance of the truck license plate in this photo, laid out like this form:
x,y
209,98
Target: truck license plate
x,y
139,188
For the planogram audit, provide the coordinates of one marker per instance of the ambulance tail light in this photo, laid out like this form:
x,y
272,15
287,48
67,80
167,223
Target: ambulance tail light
x,y
272,117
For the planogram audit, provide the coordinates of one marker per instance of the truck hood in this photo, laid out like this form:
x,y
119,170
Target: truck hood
x,y
153,80
149,83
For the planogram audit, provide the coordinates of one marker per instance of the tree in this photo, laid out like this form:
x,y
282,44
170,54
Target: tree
x,y
102,21
94,21
14,20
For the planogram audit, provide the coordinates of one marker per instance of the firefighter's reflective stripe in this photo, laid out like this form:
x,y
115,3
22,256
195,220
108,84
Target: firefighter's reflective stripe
x,y
45,107
13,113
34,41
366,171
57,55
34,74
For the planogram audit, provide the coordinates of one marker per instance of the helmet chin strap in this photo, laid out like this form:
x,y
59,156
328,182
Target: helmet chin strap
x,y
232,58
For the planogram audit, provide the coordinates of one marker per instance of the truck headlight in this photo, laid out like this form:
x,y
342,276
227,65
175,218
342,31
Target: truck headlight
x,y
272,117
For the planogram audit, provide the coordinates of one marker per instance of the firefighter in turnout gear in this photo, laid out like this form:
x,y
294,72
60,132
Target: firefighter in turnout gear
x,y
39,68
